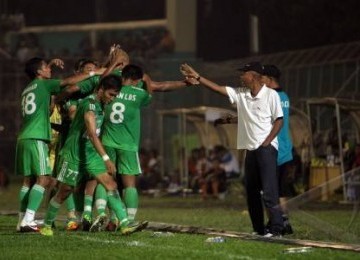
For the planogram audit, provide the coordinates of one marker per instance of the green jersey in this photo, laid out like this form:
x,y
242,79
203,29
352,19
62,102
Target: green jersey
x,y
87,86
78,148
121,129
35,104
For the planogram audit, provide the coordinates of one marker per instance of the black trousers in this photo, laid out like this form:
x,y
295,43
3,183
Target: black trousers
x,y
261,175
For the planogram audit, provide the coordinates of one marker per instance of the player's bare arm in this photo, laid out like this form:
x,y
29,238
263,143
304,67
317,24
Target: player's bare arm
x,y
162,86
90,123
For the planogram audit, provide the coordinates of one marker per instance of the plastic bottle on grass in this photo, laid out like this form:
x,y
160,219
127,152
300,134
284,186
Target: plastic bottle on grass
x,y
298,250
215,240
162,234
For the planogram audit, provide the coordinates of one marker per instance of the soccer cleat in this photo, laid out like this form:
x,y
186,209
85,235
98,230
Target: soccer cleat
x,y
133,227
99,224
47,231
28,227
72,225
287,230
86,223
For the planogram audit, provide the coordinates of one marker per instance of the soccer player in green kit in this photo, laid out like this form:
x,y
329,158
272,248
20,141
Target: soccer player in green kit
x,y
82,89
32,158
84,152
130,194
121,135
121,138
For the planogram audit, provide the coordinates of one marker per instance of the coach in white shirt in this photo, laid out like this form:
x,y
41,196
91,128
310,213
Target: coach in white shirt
x,y
259,121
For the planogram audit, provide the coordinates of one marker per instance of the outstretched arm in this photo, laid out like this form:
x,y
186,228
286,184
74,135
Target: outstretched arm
x,y
168,85
72,80
188,71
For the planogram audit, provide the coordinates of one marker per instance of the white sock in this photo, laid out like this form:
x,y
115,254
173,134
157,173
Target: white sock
x,y
131,213
29,216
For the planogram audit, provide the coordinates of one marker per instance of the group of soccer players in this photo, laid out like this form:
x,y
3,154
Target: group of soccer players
x,y
101,138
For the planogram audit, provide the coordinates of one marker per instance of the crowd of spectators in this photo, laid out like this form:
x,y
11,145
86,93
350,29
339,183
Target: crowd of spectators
x,y
209,171
141,44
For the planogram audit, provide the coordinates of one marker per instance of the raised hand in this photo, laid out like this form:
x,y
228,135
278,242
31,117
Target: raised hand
x,y
120,57
188,71
57,62
191,81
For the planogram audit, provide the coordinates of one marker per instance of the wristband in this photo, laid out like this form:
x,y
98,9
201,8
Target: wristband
x,y
91,73
105,157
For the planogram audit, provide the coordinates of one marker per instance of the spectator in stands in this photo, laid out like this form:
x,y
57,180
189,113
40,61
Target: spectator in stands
x,y
174,186
167,43
192,162
213,180
228,162
202,165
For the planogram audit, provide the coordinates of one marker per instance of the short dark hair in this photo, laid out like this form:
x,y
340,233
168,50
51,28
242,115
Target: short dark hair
x,y
32,66
110,82
271,70
79,65
132,71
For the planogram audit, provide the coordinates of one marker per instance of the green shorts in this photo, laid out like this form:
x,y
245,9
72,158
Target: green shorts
x,y
69,172
94,164
127,162
72,172
32,158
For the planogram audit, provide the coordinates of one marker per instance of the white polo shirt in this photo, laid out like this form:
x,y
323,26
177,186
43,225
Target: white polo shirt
x,y
256,115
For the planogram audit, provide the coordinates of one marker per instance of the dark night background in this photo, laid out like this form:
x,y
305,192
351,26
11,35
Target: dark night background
x,y
223,25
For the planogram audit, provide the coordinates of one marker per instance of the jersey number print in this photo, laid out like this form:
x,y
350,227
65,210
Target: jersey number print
x,y
117,113
28,104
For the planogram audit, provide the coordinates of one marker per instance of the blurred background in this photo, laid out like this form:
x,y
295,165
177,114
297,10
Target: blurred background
x,y
316,44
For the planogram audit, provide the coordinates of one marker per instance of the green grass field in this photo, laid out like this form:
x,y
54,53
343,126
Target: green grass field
x,y
310,223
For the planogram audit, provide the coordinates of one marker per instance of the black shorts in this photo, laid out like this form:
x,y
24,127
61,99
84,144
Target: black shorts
x,y
286,180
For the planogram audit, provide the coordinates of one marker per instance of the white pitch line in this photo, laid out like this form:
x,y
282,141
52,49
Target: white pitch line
x,y
169,248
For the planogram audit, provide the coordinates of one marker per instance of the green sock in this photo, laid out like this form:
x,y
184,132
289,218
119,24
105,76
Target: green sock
x,y
131,199
117,206
70,206
24,197
35,197
100,199
51,212
88,200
